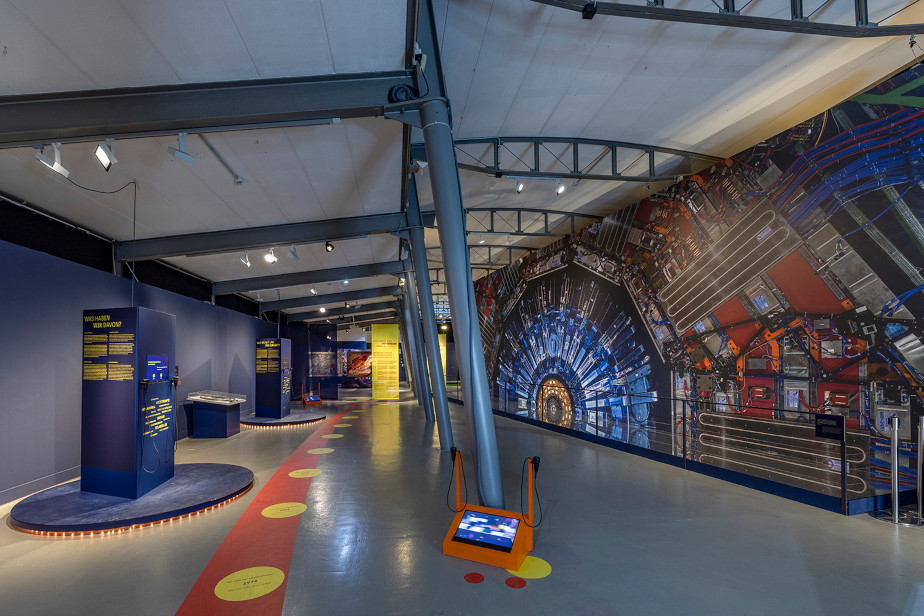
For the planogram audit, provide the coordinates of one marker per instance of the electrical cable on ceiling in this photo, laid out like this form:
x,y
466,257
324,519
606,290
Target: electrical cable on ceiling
x,y
134,184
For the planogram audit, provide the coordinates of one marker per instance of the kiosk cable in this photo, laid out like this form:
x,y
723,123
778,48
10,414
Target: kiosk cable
x,y
455,452
534,462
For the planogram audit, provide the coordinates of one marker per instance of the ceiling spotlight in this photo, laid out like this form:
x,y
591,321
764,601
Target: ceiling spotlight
x,y
259,299
181,152
270,256
323,309
560,188
293,254
245,259
589,10
519,187
444,327
105,155
52,163
481,241
346,282
314,291
401,281
328,247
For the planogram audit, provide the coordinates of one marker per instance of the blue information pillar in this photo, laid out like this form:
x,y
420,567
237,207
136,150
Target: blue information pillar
x,y
128,401
274,377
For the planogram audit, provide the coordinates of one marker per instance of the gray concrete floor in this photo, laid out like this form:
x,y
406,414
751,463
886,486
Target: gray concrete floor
x,y
623,535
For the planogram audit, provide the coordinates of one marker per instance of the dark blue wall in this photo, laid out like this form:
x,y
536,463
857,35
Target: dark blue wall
x,y
41,306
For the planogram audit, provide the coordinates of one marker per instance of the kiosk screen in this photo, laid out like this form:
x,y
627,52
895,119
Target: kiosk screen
x,y
157,368
487,530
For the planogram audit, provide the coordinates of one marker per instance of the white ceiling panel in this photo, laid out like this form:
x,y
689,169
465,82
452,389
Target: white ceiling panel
x,y
101,39
197,38
367,36
63,45
283,37
31,62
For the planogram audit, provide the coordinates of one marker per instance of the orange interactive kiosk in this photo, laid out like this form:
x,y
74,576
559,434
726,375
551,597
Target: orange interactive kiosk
x,y
311,400
491,536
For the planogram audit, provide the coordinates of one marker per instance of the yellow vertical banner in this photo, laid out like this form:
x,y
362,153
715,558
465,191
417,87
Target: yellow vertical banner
x,y
442,338
385,362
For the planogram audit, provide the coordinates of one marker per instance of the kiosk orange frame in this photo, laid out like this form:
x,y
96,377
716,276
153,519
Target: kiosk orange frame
x,y
522,542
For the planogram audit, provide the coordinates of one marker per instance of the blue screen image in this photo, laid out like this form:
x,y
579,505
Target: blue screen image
x,y
157,368
487,530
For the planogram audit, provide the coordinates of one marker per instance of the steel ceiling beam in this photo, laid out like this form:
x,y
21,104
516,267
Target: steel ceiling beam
x,y
278,281
216,242
376,314
202,107
383,321
544,166
732,19
336,312
330,298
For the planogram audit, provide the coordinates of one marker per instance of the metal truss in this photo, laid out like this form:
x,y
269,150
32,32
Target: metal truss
x,y
499,224
383,321
215,242
493,250
600,159
278,281
729,16
330,298
330,313
369,316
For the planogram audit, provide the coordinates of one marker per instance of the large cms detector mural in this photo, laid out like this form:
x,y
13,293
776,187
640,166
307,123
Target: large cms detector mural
x,y
571,352
723,314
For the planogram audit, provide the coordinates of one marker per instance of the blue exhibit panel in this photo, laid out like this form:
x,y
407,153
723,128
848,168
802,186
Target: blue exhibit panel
x,y
274,377
216,420
128,417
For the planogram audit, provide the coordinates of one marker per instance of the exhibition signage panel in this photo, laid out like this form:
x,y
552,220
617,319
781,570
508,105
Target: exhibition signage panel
x,y
385,362
128,423
442,339
829,426
273,378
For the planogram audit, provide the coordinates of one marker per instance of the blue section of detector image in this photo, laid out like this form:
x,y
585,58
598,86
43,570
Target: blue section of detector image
x,y
572,353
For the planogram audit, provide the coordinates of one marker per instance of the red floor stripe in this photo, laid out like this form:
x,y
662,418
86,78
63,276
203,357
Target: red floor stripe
x,y
257,541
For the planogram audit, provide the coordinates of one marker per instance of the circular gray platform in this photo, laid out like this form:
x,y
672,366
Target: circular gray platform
x,y
298,414
194,487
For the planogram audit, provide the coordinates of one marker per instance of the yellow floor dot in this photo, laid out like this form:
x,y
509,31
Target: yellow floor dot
x,y
284,510
305,472
249,583
351,417
331,436
320,450
533,568
342,425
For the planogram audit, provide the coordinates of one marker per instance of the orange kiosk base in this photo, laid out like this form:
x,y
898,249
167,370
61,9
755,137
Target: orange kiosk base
x,y
311,400
490,536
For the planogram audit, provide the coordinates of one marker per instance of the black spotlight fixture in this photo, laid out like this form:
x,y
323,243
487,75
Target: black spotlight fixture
x,y
328,247
589,10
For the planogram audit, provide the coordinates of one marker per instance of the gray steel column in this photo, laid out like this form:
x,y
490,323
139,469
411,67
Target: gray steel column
x,y
415,352
421,350
450,218
431,338
408,370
